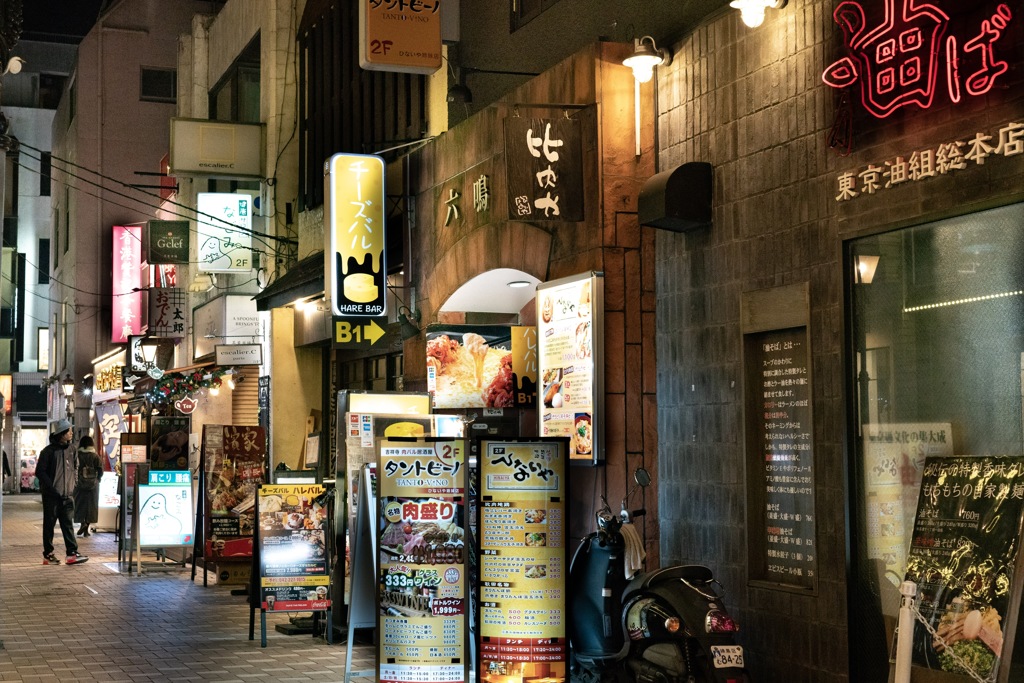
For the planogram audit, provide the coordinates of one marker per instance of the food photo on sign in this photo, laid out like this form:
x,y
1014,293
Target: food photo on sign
x,y
470,366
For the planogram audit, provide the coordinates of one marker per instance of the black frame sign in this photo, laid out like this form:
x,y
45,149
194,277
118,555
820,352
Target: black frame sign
x,y
166,242
964,558
524,529
544,168
779,430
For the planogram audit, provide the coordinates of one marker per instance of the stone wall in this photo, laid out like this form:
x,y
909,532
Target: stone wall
x,y
752,103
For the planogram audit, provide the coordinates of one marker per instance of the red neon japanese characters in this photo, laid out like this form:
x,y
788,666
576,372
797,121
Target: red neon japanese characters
x,y
897,62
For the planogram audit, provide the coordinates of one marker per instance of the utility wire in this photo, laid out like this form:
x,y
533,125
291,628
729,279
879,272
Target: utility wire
x,y
226,224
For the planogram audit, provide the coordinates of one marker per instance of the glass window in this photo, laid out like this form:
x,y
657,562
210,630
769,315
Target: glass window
x,y
937,351
158,85
45,164
43,269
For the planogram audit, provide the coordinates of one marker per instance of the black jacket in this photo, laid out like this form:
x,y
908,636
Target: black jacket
x,y
57,469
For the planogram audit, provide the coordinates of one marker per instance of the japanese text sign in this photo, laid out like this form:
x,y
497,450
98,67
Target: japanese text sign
x,y
902,52
127,304
355,226
962,557
544,167
224,223
167,308
523,560
293,548
422,561
400,35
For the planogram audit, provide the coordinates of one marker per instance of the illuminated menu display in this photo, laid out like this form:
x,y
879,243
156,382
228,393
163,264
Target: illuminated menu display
x,y
294,572
570,334
782,450
422,581
523,567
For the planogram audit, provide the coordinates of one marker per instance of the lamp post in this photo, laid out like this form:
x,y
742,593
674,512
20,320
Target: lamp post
x,y
68,385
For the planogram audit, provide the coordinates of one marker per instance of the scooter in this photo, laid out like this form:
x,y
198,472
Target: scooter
x,y
664,626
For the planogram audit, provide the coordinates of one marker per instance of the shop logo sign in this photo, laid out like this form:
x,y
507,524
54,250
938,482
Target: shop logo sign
x,y
908,57
544,167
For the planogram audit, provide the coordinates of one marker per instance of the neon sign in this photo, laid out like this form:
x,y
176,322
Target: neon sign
x,y
127,298
897,62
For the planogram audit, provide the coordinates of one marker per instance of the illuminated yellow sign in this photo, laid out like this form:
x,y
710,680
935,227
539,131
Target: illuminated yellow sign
x,y
355,226
400,36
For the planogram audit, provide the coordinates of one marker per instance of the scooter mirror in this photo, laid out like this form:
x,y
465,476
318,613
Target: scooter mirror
x,y
642,477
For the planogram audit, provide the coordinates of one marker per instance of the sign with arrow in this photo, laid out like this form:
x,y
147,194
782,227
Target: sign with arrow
x,y
357,333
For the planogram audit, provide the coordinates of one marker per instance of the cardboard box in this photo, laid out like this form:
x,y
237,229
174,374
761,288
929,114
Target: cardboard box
x,y
231,573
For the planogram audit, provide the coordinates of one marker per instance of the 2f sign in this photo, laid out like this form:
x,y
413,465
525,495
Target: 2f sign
x,y
400,35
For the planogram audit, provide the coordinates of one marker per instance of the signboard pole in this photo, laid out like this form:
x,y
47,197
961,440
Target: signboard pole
x,y
198,548
362,612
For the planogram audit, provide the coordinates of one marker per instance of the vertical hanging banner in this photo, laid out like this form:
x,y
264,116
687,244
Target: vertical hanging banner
x,y
355,226
422,581
524,366
523,567
127,297
111,425
224,223
544,166
400,36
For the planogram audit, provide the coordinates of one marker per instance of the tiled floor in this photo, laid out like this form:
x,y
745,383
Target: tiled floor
x,y
94,622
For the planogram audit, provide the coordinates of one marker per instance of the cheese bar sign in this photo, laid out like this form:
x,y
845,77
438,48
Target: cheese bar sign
x,y
354,228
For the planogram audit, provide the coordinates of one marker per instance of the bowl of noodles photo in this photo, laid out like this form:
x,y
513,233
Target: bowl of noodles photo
x,y
583,435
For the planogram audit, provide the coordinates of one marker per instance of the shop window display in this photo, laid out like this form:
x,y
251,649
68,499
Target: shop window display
x,y
936,338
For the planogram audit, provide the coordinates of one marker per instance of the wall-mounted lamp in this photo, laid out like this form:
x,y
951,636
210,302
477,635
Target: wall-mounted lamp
x,y
864,267
752,11
405,317
645,57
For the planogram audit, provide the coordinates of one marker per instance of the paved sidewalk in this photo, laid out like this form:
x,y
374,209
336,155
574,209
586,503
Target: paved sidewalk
x,y
91,622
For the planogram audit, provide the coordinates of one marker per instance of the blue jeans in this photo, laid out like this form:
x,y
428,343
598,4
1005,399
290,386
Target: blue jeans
x,y
57,509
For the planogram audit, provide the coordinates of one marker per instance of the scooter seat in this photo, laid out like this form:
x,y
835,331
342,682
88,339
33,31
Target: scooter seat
x,y
694,573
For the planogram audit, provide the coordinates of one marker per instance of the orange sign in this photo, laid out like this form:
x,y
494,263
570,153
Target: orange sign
x,y
400,35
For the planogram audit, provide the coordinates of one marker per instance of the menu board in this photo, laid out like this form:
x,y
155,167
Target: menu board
x,y
962,557
523,567
781,457
234,459
894,457
166,515
570,341
294,573
422,562
470,366
169,448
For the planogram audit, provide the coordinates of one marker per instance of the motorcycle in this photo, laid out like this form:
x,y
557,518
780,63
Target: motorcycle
x,y
663,626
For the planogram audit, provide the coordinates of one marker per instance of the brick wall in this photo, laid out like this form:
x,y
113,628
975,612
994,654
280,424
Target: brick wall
x,y
751,102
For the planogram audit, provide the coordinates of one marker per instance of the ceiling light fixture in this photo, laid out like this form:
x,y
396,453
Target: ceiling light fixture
x,y
752,11
517,284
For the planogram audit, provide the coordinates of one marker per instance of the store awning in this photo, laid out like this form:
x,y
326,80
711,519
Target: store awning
x,y
303,280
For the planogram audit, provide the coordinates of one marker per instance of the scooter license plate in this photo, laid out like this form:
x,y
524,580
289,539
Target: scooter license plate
x,y
727,656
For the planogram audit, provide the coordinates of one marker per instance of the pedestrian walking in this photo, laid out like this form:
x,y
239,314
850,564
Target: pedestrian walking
x,y
57,471
87,491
